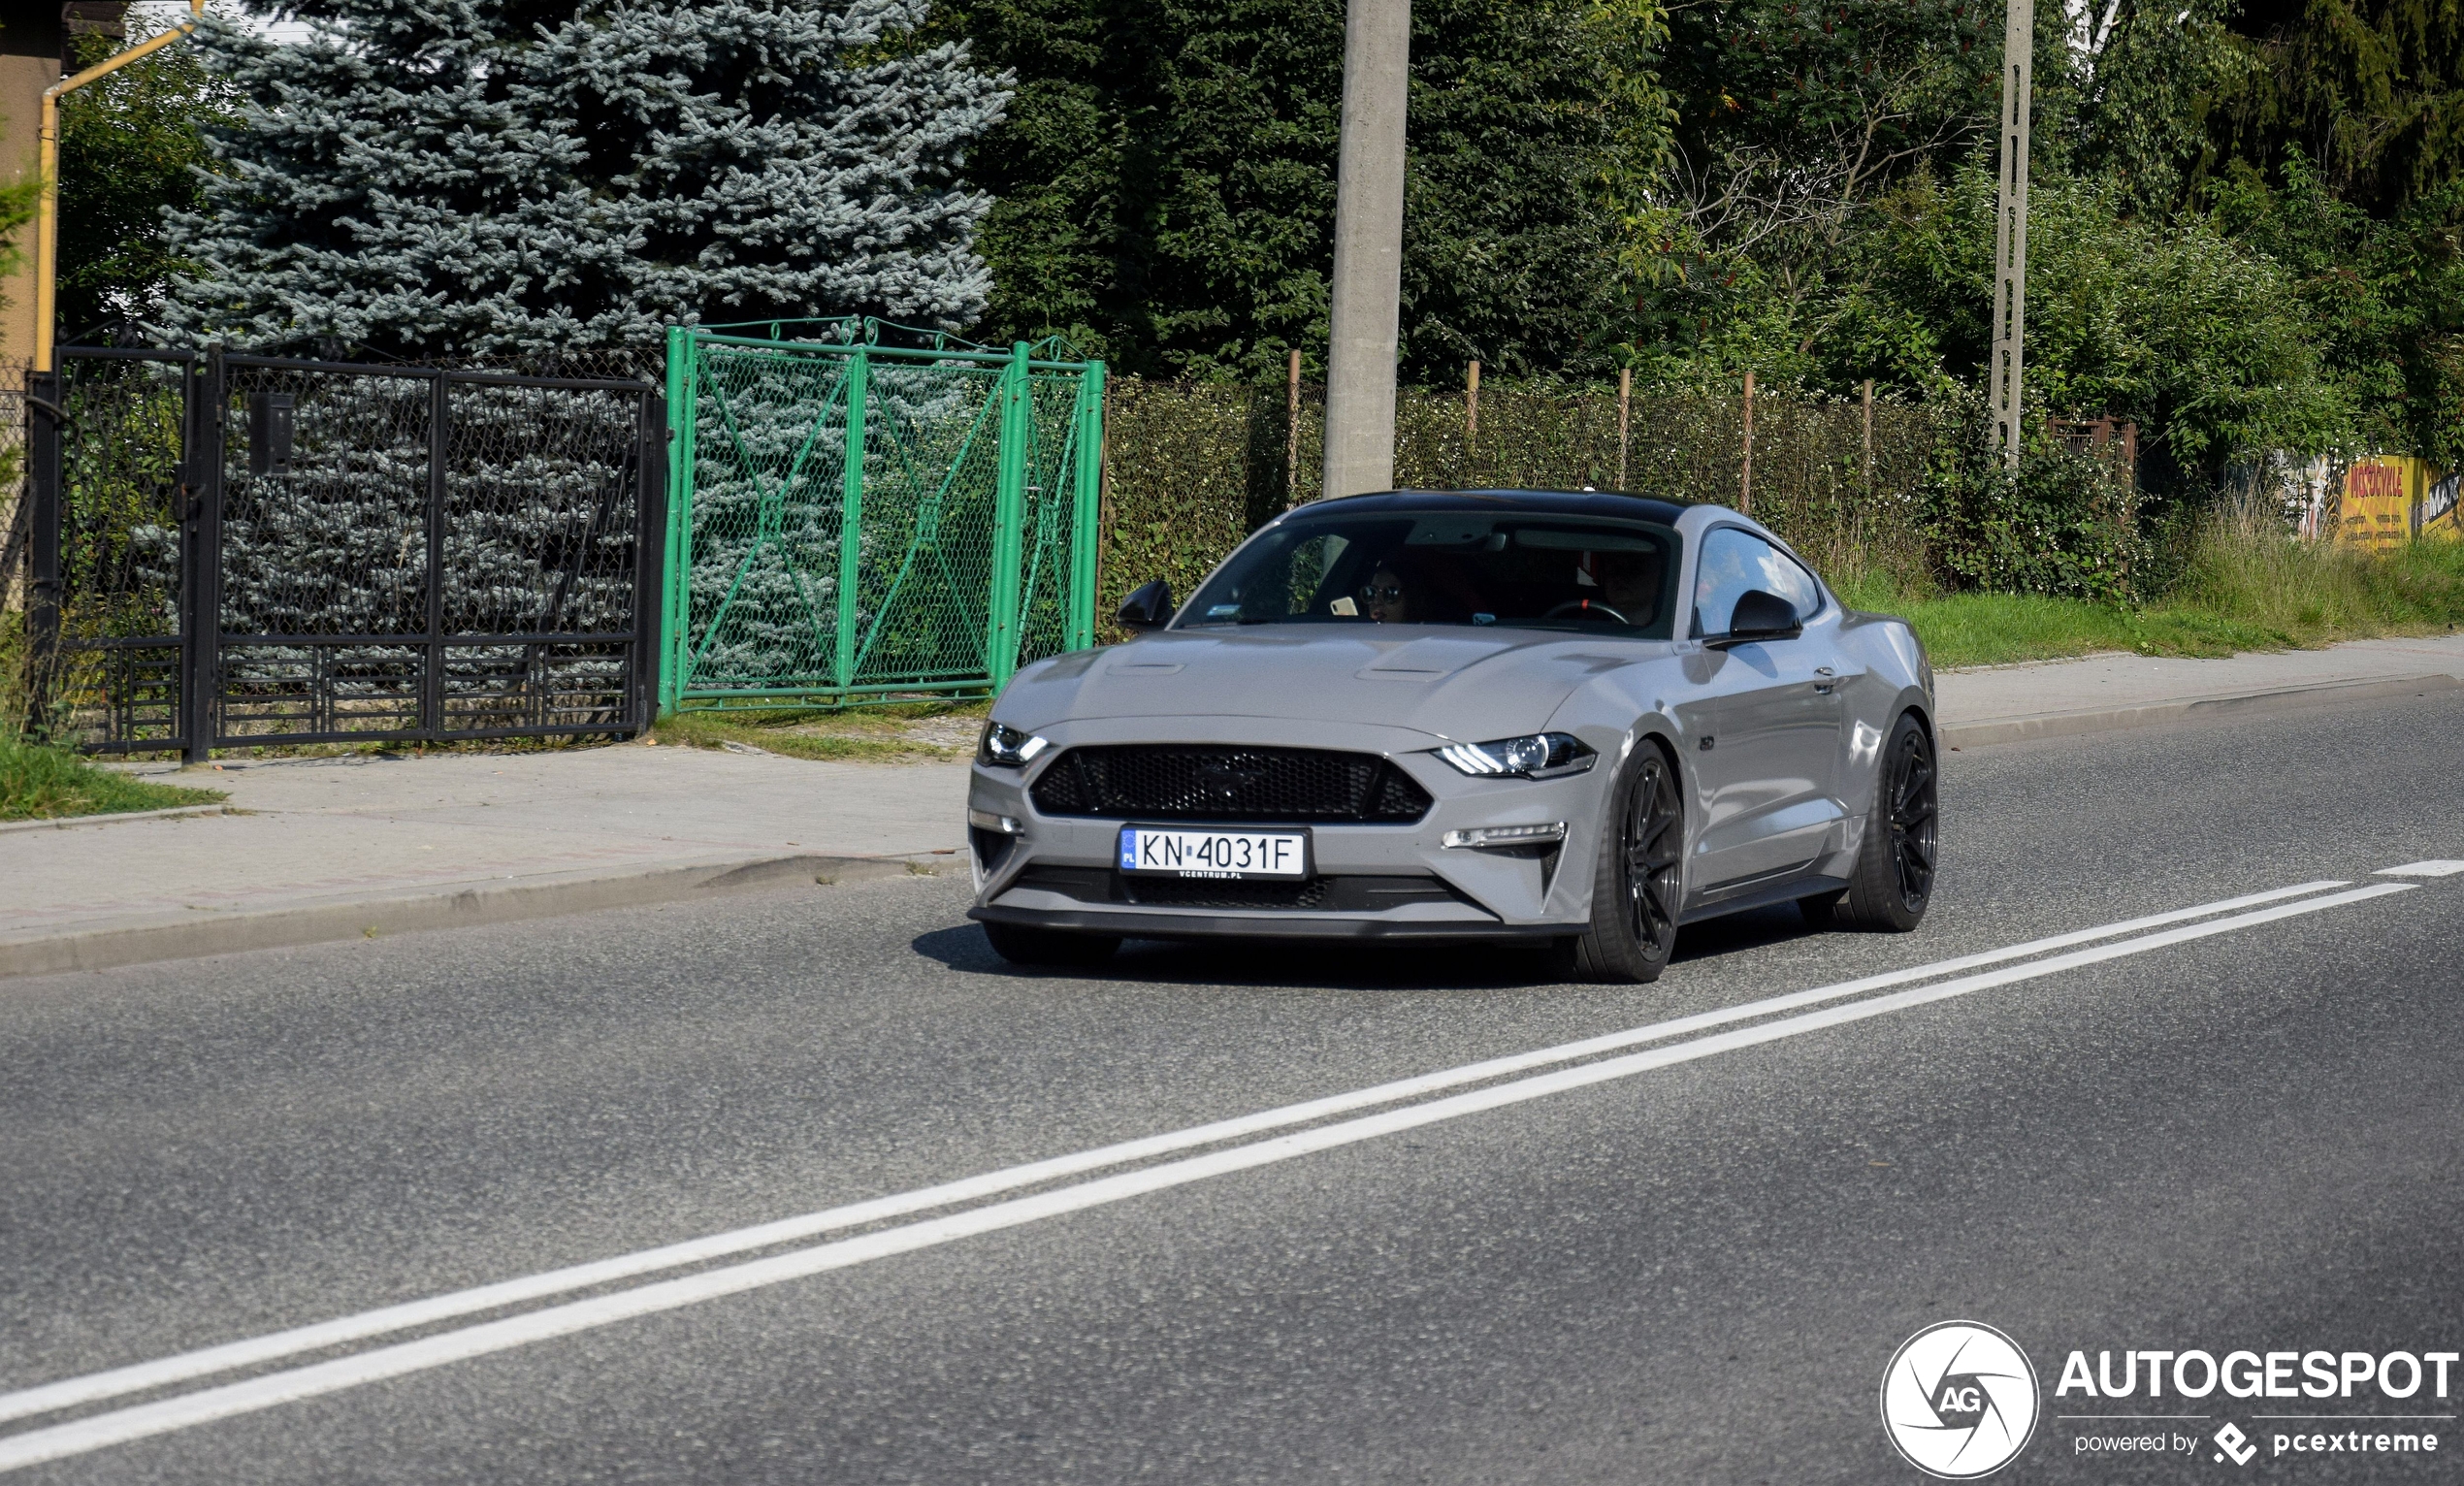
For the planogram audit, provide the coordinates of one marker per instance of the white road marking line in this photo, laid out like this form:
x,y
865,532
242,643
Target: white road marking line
x,y
206,1405
2423,869
315,1336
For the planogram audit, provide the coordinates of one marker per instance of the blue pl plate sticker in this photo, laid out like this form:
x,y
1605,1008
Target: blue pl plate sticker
x,y
1128,849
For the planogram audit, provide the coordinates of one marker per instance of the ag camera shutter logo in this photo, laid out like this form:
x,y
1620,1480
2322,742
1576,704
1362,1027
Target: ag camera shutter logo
x,y
1958,1399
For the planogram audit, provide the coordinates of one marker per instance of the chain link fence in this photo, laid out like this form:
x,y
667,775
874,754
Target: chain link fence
x,y
859,518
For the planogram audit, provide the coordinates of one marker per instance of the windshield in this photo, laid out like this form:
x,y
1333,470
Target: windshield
x,y
1522,571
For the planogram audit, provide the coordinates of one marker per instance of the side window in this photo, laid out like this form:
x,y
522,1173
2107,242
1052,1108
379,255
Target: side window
x,y
1735,561
1314,562
1789,580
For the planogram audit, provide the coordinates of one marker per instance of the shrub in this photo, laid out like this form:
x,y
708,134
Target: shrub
x,y
2060,525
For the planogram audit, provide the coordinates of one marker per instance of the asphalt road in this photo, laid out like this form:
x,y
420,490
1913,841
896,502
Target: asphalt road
x,y
1695,1272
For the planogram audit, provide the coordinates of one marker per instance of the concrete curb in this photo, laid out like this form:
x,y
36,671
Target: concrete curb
x,y
2065,724
115,817
202,933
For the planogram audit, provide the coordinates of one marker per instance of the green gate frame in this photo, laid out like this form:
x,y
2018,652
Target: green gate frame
x,y
1044,511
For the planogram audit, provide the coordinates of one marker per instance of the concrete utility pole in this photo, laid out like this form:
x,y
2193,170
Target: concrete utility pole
x,y
1365,309
2010,228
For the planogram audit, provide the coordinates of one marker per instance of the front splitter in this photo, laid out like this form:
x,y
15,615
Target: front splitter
x,y
1154,925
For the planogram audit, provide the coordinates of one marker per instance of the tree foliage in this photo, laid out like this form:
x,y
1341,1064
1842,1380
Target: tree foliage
x,y
131,146
2246,236
2383,298
1832,219
1795,119
2368,93
493,176
2136,96
1165,181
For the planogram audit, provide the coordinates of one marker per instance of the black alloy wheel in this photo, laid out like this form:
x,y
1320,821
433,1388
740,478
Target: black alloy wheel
x,y
1639,885
1654,853
1893,880
1914,811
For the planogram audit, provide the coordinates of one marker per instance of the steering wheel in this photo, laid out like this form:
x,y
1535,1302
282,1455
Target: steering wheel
x,y
1587,608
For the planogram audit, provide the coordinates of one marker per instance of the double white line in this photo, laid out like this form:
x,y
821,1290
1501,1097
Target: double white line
x,y
1588,1066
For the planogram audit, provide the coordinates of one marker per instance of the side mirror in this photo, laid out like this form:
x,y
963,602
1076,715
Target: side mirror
x,y
1148,607
1759,616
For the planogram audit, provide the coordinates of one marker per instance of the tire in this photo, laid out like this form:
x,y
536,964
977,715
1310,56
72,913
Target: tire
x,y
1022,945
1893,878
1637,884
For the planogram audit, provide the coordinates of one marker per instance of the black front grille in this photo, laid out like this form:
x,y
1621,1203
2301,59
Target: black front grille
x,y
1209,782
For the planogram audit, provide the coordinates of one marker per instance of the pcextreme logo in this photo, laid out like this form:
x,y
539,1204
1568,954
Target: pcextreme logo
x,y
1958,1399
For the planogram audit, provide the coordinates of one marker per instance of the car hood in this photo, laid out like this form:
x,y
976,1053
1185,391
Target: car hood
x,y
1455,683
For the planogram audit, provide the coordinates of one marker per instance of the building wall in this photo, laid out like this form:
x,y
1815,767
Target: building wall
x,y
33,42
23,79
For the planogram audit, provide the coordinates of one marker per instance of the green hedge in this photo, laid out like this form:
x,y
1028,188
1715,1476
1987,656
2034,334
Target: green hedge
x,y
1190,469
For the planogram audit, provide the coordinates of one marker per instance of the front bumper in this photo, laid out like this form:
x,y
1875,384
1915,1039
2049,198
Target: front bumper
x,y
1059,871
1202,924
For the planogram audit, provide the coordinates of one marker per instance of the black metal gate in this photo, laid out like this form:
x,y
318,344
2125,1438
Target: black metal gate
x,y
235,550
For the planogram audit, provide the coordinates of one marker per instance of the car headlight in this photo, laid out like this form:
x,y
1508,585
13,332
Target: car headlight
x,y
1007,747
1536,755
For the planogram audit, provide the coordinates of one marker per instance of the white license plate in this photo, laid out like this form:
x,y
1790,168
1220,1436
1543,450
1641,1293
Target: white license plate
x,y
1233,853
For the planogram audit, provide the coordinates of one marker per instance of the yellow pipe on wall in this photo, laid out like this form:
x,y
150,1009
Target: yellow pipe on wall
x,y
47,206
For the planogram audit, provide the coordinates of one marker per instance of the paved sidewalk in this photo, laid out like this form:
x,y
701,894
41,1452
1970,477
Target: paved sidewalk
x,y
457,838
321,848
2007,703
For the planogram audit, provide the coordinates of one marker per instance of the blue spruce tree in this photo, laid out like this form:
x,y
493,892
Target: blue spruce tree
x,y
516,180
458,177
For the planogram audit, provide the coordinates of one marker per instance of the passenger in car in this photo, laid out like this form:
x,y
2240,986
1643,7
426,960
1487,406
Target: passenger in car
x,y
1630,583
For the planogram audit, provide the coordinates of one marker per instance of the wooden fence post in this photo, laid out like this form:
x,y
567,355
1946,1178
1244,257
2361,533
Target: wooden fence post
x,y
1292,430
1625,406
1103,494
1472,404
1868,437
1745,471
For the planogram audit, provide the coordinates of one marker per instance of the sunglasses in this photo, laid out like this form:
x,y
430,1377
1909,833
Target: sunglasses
x,y
1391,592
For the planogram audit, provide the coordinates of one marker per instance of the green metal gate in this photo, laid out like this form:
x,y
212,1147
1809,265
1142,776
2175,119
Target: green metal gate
x,y
851,520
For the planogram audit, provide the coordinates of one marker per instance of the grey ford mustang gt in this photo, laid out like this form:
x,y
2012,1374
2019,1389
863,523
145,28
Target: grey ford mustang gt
x,y
1577,720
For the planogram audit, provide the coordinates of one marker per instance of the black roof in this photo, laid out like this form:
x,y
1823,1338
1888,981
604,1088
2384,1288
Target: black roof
x,y
1555,503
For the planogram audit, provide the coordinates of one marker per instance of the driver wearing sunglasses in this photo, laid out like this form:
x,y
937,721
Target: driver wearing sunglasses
x,y
1384,599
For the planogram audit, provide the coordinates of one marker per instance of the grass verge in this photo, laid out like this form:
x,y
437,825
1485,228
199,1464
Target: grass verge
x,y
46,784
2242,588
904,732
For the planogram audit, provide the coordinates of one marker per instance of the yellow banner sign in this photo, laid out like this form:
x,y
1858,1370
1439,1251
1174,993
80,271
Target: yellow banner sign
x,y
2389,499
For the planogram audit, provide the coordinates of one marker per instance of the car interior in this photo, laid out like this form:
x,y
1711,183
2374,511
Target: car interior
x,y
1519,571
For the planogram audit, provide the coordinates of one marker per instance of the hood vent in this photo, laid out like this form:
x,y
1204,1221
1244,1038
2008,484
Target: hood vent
x,y
1211,782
